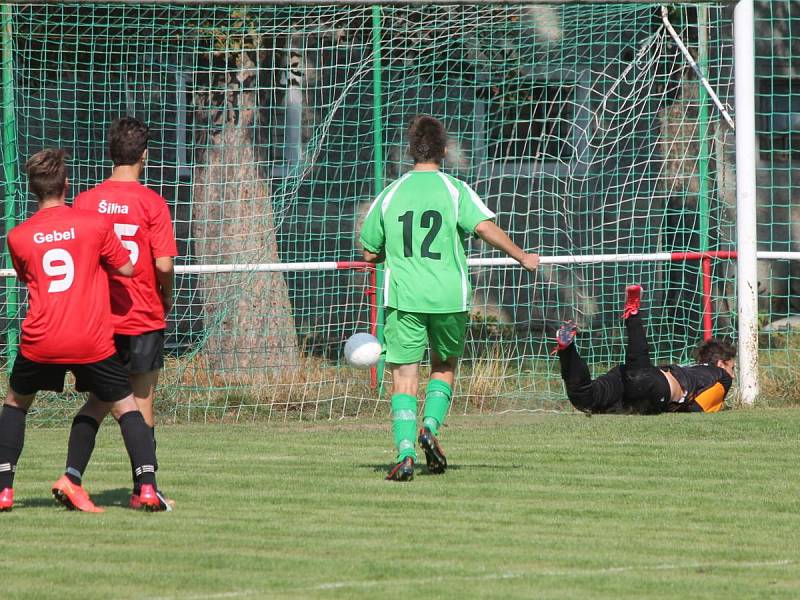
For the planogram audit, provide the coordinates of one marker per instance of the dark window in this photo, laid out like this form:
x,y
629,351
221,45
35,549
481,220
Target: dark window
x,y
532,121
779,118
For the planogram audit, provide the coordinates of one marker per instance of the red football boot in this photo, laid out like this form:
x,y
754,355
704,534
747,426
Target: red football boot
x,y
6,499
633,298
150,500
565,335
73,496
167,504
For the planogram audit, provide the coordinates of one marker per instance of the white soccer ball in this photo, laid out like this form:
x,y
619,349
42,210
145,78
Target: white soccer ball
x,y
362,350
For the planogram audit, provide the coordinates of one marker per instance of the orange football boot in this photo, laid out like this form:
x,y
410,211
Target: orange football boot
x,y
73,496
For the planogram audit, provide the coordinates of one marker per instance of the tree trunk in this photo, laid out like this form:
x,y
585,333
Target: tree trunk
x,y
680,181
248,316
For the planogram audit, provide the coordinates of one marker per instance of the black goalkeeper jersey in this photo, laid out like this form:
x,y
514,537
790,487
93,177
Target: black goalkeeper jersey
x,y
704,387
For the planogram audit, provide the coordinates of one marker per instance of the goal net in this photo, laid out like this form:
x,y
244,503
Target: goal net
x,y
582,126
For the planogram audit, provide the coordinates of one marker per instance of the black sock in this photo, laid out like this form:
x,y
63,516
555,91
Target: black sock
x,y
137,486
80,447
139,444
155,445
12,438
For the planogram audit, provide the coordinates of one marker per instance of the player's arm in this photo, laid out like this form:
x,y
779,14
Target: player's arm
x,y
125,270
490,233
475,216
113,256
712,398
165,275
164,248
373,257
373,236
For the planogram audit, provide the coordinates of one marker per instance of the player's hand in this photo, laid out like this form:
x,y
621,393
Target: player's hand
x,y
168,302
530,261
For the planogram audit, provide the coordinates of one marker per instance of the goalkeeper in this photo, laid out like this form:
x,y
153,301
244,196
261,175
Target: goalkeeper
x,y
638,387
418,225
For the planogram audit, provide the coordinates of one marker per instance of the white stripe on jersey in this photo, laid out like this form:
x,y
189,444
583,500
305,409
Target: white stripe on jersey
x,y
391,192
387,275
374,204
478,202
456,241
382,195
453,193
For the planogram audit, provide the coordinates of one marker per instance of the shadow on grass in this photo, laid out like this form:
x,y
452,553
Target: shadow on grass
x,y
419,468
41,501
105,498
112,497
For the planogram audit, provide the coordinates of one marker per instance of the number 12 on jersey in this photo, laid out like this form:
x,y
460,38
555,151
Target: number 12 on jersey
x,y
430,220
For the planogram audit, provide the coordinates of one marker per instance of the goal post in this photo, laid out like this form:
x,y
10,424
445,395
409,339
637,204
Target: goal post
x,y
746,217
599,132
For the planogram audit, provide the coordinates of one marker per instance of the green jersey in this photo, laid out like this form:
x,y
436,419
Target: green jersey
x,y
422,221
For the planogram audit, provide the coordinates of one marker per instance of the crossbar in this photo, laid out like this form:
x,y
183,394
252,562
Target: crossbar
x,y
358,265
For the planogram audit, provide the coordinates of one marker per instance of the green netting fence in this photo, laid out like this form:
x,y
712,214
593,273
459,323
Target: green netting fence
x,y
777,32
581,125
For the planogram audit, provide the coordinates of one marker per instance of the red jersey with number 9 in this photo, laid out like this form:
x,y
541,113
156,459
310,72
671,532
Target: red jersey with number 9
x,y
60,254
142,223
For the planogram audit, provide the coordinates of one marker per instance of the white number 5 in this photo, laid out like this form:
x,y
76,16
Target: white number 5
x,y
57,262
124,230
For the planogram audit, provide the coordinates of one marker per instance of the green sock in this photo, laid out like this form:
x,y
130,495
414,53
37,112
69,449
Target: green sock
x,y
437,403
404,425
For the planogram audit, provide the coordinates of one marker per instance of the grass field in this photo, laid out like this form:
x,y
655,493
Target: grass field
x,y
534,506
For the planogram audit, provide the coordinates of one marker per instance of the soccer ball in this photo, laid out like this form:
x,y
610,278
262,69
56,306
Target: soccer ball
x,y
362,350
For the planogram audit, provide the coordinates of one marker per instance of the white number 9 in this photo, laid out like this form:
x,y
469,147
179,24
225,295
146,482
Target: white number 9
x,y
57,262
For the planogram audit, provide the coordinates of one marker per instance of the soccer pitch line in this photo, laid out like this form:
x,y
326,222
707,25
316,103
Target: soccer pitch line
x,y
216,596
574,572
555,573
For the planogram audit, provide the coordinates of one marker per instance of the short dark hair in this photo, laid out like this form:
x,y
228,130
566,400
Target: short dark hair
x,y
127,140
47,173
713,350
427,139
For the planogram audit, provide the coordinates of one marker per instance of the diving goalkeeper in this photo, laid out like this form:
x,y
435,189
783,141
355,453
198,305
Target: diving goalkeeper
x,y
638,387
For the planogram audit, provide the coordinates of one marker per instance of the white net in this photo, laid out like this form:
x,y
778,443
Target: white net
x,y
581,126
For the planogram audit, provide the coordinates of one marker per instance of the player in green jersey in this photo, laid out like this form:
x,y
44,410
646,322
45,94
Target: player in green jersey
x,y
419,227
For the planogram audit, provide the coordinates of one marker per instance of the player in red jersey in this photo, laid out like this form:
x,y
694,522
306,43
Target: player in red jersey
x,y
139,304
62,255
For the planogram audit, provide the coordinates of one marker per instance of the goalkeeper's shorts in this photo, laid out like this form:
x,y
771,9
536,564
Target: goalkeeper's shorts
x,y
407,335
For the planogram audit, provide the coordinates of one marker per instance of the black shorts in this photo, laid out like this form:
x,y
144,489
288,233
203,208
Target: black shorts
x,y
141,353
647,390
106,379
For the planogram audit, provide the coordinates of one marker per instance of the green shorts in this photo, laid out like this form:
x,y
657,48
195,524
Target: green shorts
x,y
407,334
